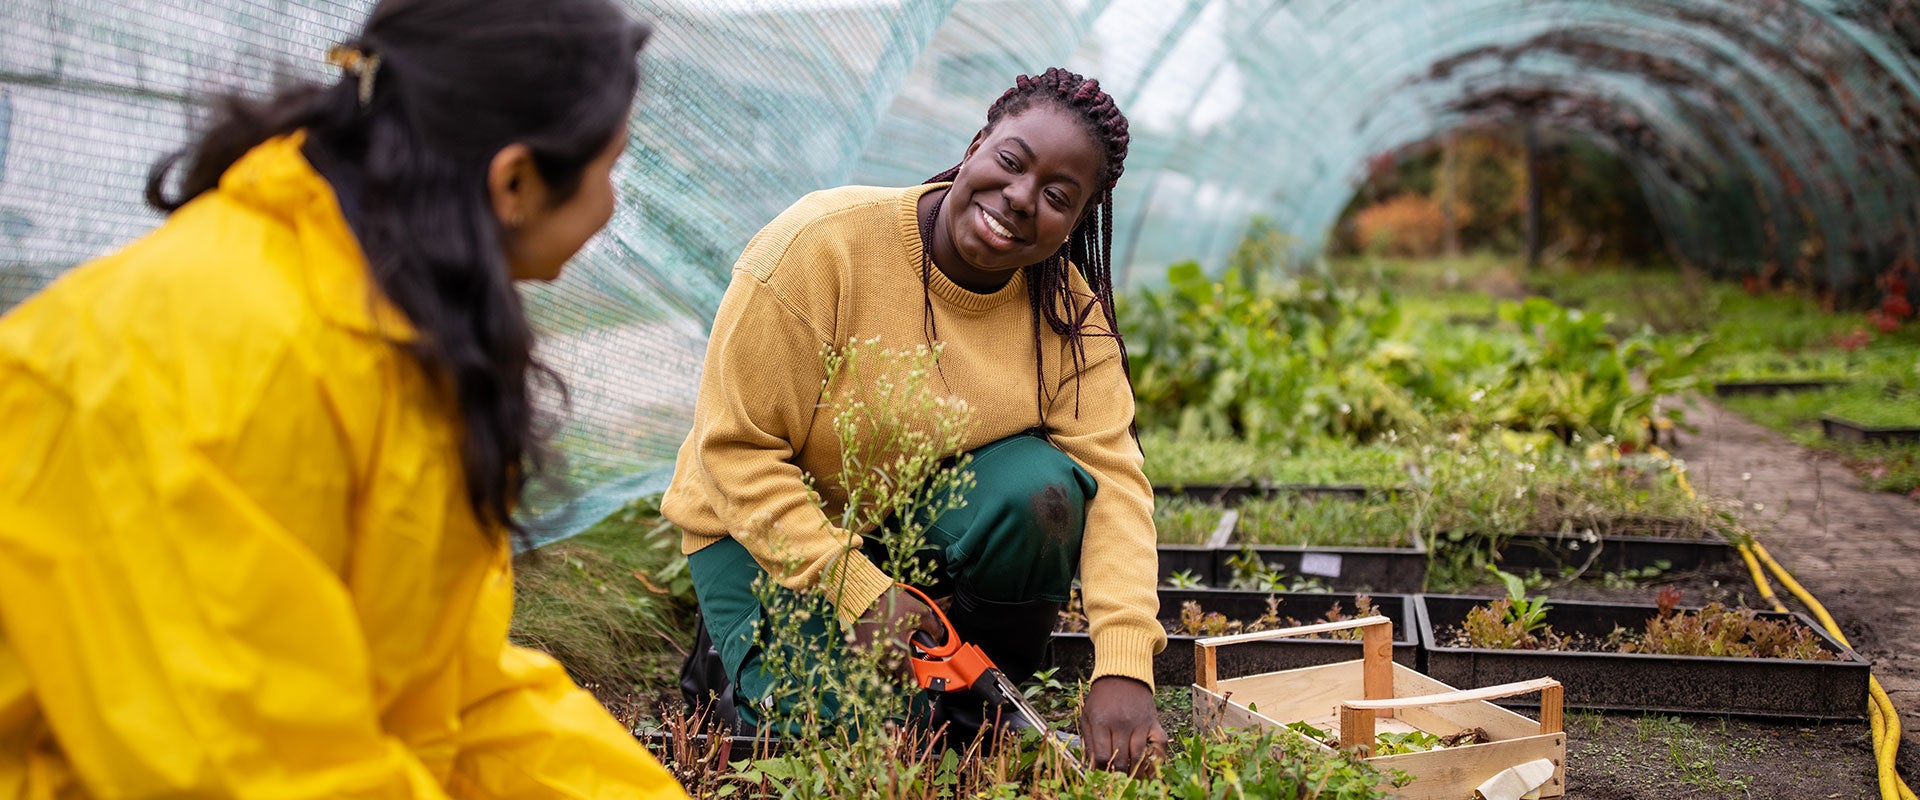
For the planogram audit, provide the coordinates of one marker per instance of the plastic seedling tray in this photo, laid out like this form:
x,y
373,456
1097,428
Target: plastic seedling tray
x,y
1600,554
1071,654
1770,687
1196,560
1223,494
1396,570
1841,429
1741,388
1332,491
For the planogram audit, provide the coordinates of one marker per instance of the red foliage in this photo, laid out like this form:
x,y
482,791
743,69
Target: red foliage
x,y
1667,599
1407,225
1853,341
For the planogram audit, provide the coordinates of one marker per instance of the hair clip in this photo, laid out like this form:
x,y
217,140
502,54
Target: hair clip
x,y
354,61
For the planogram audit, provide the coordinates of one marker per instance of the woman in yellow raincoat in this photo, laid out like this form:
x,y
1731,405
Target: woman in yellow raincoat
x,y
256,468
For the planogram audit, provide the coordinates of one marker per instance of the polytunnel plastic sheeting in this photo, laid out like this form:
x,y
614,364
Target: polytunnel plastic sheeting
x,y
1780,133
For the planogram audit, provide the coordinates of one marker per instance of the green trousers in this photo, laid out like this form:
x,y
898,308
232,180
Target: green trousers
x,y
1007,558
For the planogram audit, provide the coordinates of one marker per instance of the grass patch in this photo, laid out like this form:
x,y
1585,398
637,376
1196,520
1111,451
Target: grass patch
x,y
614,605
1879,412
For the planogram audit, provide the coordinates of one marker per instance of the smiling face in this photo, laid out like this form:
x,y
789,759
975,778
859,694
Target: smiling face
x,y
1020,192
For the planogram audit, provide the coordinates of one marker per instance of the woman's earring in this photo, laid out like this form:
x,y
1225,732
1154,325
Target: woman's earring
x,y
516,219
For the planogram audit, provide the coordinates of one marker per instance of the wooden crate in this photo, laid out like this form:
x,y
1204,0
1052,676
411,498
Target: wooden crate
x,y
1357,698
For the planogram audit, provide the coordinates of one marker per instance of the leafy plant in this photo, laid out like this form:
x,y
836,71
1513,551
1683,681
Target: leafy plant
x,y
1528,613
1196,621
1889,410
1629,578
1184,579
1493,626
1720,631
1393,743
1251,572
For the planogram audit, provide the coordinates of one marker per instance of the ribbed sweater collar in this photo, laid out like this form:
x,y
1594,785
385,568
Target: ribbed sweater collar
x,y
938,284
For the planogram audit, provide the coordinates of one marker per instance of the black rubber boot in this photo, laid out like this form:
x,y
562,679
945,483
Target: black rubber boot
x,y
704,684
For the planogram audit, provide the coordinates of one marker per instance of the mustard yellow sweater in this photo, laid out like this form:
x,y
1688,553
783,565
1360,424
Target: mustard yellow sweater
x,y
845,264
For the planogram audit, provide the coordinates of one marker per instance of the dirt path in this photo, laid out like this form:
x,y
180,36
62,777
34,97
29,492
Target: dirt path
x,y
1857,551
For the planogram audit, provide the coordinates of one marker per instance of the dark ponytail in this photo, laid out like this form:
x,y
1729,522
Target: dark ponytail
x,y
408,152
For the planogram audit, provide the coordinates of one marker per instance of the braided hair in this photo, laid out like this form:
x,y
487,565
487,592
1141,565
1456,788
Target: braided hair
x,y
1089,247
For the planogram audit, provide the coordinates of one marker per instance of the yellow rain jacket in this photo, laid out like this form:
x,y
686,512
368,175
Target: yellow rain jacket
x,y
236,556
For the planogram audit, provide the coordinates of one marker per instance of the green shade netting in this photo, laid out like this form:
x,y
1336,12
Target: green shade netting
x,y
1780,134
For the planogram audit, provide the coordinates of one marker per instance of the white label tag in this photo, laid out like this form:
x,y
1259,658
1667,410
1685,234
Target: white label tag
x,y
1326,565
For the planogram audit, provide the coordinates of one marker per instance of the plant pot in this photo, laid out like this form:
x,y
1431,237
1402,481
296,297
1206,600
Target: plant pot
x,y
1744,388
1767,687
1552,552
1072,653
1840,429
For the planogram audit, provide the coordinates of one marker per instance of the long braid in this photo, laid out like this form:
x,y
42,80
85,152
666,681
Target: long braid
x,y
1090,246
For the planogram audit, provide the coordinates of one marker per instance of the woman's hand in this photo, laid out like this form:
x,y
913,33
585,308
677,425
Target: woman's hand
x,y
1119,726
892,620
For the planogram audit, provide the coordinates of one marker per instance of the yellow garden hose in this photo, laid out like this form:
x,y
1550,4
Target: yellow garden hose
x,y
1880,711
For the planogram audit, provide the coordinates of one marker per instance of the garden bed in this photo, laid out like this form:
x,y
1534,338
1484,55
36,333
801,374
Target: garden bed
x,y
1072,653
1840,429
1744,388
1556,552
1188,562
1326,491
1331,544
1396,570
1221,494
1768,687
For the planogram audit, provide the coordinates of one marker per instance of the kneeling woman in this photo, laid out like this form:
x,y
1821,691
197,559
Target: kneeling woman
x,y
1004,261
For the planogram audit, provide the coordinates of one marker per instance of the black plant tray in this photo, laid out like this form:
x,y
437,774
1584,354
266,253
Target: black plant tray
x,y
1770,387
1072,653
1331,491
1551,552
1401,570
1765,687
1845,430
1194,559
1221,494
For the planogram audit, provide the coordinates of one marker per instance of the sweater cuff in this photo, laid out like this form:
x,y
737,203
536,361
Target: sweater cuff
x,y
853,583
1126,652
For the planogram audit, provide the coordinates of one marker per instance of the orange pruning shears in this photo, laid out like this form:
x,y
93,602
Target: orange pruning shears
x,y
957,665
